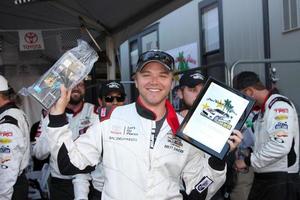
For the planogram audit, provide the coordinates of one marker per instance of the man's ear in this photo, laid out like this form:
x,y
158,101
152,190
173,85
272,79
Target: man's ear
x,y
135,83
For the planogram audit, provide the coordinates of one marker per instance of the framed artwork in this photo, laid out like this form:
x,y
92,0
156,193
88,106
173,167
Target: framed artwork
x,y
217,110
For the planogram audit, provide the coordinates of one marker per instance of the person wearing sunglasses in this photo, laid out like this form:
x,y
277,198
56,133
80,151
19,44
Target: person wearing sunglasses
x,y
141,155
112,93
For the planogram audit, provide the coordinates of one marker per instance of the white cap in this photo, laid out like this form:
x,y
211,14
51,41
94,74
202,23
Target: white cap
x,y
3,84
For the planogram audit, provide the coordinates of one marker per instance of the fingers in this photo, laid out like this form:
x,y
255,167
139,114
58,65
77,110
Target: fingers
x,y
59,107
235,139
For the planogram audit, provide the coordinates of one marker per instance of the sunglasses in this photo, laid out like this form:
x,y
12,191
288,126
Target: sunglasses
x,y
110,99
158,55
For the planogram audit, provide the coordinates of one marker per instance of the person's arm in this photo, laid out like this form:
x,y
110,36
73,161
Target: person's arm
x,y
13,149
81,185
279,126
79,156
204,175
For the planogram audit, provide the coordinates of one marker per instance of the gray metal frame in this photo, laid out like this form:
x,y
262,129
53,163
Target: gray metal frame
x,y
237,63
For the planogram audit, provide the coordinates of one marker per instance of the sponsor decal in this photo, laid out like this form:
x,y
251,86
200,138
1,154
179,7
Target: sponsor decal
x,y
5,159
5,140
131,130
281,117
4,149
85,122
116,129
281,110
281,125
278,137
204,183
6,134
3,166
174,143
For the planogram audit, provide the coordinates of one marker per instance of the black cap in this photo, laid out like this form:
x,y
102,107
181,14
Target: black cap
x,y
245,79
156,56
191,79
111,86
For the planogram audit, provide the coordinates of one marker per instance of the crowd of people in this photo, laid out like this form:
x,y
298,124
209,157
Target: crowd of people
x,y
118,151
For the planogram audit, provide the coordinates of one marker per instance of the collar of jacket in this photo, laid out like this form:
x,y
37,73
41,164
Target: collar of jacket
x,y
7,106
171,117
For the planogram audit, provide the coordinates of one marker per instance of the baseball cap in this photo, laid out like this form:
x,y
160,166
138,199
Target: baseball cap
x,y
245,79
191,79
111,86
155,56
3,84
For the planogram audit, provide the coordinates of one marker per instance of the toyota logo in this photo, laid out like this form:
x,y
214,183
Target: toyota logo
x,y
31,37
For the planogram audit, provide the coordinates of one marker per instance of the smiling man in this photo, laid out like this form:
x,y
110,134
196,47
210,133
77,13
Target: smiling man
x,y
142,157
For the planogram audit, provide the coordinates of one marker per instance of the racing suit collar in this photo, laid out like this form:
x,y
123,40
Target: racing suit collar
x,y
8,106
271,92
171,115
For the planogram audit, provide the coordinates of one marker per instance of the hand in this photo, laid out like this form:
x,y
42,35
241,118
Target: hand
x,y
59,107
240,166
235,139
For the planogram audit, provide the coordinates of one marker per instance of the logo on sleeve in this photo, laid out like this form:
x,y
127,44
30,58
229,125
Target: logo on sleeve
x,y
5,140
281,125
6,134
204,183
4,149
281,117
281,110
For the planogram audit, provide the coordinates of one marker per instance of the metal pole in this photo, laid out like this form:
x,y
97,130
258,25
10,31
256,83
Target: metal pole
x,y
235,64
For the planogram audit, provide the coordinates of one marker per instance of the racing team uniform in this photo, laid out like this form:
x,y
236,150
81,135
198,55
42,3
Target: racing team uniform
x,y
137,164
61,186
14,152
276,149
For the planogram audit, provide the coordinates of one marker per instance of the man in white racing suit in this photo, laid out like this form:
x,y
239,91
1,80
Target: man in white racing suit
x,y
80,116
275,156
142,158
14,147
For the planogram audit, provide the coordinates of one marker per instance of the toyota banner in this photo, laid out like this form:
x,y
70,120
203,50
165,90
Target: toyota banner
x,y
31,40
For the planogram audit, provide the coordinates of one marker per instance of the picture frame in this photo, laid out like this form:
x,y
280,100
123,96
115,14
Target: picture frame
x,y
216,112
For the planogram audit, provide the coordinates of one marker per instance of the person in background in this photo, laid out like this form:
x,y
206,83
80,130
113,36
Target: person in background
x,y
80,115
14,146
142,157
111,95
191,84
275,153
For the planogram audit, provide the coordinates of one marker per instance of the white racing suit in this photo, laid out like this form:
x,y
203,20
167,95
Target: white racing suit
x,y
14,149
276,148
79,122
132,169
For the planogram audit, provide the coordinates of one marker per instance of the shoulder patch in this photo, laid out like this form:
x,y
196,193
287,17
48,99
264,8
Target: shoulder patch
x,y
9,120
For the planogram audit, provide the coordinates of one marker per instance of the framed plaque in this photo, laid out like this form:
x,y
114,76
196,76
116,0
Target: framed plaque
x,y
217,110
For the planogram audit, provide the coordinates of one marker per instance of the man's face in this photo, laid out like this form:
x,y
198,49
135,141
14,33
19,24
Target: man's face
x,y
113,99
189,95
153,83
77,93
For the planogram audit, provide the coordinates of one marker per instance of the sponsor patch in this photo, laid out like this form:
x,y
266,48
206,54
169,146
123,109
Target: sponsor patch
x,y
6,134
3,166
281,110
4,149
281,125
5,159
204,183
281,117
5,140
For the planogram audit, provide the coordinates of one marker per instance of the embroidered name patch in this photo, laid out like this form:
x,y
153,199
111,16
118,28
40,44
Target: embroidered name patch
x,y
204,183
